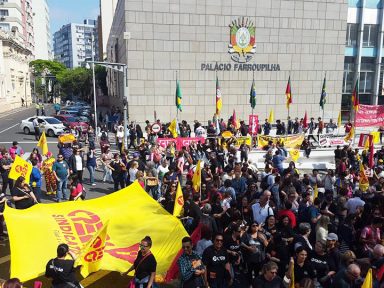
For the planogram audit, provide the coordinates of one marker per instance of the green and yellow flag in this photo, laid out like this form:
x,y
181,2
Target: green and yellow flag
x,y
178,96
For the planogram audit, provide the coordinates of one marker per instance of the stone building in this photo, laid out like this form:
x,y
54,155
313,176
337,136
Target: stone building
x,y
191,40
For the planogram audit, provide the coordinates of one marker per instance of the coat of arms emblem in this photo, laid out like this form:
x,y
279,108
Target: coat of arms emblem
x,y
242,42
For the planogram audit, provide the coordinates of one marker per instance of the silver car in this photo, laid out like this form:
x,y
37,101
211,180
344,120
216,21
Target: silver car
x,y
52,126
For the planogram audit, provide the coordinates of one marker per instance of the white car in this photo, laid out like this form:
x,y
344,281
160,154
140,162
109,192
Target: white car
x,y
53,127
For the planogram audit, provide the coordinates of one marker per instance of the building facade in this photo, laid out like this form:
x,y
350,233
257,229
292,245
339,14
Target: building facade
x,y
236,41
73,43
14,72
42,30
107,12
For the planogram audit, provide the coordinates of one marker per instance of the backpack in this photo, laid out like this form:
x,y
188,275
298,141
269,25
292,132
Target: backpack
x,y
264,182
304,214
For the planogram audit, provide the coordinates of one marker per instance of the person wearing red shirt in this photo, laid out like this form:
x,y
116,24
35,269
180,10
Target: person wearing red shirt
x,y
289,213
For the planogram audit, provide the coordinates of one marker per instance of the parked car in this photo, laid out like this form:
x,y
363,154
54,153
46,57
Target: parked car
x,y
72,121
51,125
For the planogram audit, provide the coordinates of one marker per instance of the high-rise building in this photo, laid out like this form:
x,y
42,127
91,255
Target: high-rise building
x,y
364,53
236,41
72,44
42,30
107,11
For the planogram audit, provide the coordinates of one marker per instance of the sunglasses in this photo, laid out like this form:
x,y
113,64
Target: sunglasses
x,y
173,186
255,225
219,240
143,246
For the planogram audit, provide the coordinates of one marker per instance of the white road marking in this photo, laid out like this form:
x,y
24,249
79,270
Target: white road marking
x,y
10,128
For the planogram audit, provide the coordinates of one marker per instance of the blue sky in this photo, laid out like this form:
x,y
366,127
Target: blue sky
x,y
66,11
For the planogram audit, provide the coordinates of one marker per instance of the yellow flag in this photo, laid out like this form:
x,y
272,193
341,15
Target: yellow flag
x,y
77,222
270,118
43,143
367,143
295,154
315,192
363,180
350,135
339,120
20,167
368,281
196,179
173,128
91,257
376,137
179,201
292,283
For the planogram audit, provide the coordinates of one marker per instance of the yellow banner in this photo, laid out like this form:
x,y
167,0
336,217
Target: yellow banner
x,y
243,140
20,167
292,141
131,215
295,154
65,138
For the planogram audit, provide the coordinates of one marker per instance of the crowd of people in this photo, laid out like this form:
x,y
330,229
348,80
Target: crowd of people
x,y
256,226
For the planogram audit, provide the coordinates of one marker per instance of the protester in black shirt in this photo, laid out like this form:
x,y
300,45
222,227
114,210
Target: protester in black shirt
x,y
118,172
269,278
22,194
144,265
216,260
61,270
5,167
319,262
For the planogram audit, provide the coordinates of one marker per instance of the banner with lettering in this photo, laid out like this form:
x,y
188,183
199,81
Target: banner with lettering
x,y
20,167
291,141
180,141
327,140
253,124
130,214
370,115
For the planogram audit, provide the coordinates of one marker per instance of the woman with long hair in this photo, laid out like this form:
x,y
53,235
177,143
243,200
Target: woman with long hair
x,y
22,194
144,265
322,228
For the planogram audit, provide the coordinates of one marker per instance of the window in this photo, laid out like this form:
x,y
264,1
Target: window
x,y
52,121
367,73
370,35
351,35
4,12
5,26
349,72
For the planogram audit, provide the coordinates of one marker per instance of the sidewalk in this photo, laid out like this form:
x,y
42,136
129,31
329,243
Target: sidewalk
x,y
13,111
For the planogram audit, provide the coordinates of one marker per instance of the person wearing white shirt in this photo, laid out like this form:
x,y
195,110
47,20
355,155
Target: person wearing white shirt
x,y
261,210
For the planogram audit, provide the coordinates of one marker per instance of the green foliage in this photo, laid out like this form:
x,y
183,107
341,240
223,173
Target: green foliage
x,y
101,78
54,67
77,81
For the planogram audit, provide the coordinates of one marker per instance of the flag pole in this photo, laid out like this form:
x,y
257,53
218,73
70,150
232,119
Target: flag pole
x,y
253,122
324,102
177,109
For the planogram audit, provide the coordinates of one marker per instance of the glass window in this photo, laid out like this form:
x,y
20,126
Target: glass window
x,y
52,121
370,35
4,12
349,73
351,35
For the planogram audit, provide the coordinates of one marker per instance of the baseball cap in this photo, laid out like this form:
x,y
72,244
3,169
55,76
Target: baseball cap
x,y
332,236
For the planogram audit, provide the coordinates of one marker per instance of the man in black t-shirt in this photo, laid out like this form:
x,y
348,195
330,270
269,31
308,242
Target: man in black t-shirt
x,y
5,167
61,270
269,278
216,260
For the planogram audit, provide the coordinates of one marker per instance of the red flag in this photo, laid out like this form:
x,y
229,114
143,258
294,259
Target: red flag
x,y
371,152
173,270
355,96
288,92
305,120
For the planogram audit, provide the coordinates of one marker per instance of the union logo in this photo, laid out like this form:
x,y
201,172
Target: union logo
x,y
180,200
242,40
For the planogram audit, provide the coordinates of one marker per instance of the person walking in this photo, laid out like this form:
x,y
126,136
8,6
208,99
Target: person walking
x,y
144,265
91,165
118,171
61,171
76,164
50,179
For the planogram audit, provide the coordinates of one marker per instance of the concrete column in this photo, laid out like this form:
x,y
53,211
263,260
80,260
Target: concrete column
x,y
360,32
379,55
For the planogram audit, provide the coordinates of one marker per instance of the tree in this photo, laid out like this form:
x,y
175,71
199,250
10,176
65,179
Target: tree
x,y
39,65
76,82
101,78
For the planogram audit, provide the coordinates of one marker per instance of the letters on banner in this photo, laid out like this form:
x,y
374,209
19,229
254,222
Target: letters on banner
x,y
370,115
180,142
292,141
82,225
20,167
325,140
253,124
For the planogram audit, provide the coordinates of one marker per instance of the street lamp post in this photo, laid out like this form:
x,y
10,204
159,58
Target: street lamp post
x,y
94,85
